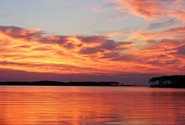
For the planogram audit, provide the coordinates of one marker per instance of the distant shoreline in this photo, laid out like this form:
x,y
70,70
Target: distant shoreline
x,y
57,83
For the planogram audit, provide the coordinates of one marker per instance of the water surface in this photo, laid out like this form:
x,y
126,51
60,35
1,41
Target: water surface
x,y
91,106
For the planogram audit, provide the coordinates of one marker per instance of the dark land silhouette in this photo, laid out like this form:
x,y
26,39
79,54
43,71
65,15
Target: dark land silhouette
x,y
57,83
174,81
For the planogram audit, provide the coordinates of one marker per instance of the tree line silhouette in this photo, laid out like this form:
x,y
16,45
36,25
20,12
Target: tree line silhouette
x,y
175,81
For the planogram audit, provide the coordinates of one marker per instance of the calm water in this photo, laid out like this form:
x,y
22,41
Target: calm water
x,y
91,106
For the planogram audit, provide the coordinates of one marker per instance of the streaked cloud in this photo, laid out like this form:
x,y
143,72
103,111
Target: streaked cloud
x,y
162,24
143,35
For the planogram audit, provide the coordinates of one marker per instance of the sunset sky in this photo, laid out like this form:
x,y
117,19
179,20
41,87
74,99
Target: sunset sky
x,y
91,40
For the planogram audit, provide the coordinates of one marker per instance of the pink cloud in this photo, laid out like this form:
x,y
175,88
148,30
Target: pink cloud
x,y
153,9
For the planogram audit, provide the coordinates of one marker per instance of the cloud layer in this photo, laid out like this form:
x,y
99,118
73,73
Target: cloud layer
x,y
34,51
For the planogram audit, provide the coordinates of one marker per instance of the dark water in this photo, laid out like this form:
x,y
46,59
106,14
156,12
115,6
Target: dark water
x,y
91,106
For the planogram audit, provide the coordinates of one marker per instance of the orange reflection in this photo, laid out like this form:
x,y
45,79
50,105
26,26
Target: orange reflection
x,y
90,105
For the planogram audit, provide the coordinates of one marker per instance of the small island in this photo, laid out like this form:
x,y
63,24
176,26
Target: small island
x,y
174,81
57,83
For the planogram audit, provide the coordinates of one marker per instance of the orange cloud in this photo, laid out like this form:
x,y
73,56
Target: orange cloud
x,y
153,9
33,51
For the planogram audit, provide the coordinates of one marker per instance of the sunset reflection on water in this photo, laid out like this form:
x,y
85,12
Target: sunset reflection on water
x,y
91,106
